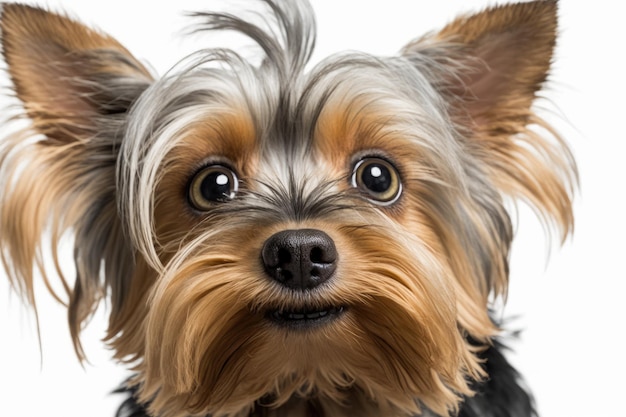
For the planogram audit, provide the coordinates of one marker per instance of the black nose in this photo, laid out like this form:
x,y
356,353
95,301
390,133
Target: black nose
x,y
300,259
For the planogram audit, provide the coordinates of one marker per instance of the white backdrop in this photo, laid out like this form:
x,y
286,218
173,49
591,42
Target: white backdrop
x,y
571,306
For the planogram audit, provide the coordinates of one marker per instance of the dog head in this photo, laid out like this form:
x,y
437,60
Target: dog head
x,y
269,233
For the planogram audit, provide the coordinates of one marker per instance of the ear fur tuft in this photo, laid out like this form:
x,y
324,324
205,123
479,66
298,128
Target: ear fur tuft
x,y
58,174
490,67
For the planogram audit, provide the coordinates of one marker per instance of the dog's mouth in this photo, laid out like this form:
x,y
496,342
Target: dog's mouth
x,y
305,317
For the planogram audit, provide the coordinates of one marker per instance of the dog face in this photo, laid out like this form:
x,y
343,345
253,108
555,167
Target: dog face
x,y
272,234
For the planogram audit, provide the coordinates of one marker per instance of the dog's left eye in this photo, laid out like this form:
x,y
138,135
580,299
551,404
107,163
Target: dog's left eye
x,y
379,179
213,184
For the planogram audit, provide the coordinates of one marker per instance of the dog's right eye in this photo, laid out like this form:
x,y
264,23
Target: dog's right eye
x,y
212,184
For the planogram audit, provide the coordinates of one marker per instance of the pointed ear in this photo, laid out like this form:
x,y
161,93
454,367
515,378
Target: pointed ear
x,y
507,55
490,67
65,73
58,174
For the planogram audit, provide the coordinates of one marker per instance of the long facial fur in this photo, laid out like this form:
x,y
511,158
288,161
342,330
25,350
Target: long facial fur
x,y
188,290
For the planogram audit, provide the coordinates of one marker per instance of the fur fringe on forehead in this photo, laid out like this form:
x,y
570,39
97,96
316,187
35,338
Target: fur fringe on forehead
x,y
282,99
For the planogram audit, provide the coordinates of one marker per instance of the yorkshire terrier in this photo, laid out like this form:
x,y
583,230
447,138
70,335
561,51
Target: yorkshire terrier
x,y
279,239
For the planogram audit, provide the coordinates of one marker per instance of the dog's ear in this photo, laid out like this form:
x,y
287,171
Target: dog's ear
x,y
66,74
76,86
490,67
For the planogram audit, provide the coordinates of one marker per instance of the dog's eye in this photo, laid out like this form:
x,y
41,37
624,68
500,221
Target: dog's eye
x,y
213,184
379,179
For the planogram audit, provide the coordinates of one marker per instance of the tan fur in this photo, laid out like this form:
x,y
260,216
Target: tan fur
x,y
55,81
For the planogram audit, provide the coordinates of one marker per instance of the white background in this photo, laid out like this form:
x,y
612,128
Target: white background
x,y
571,306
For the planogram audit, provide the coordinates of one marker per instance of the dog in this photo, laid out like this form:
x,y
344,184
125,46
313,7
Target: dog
x,y
280,239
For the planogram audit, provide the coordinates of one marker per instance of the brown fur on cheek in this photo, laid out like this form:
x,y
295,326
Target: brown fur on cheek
x,y
224,137
201,332
405,286
434,205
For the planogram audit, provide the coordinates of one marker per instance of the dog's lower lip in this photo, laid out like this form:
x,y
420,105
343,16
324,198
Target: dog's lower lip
x,y
305,317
